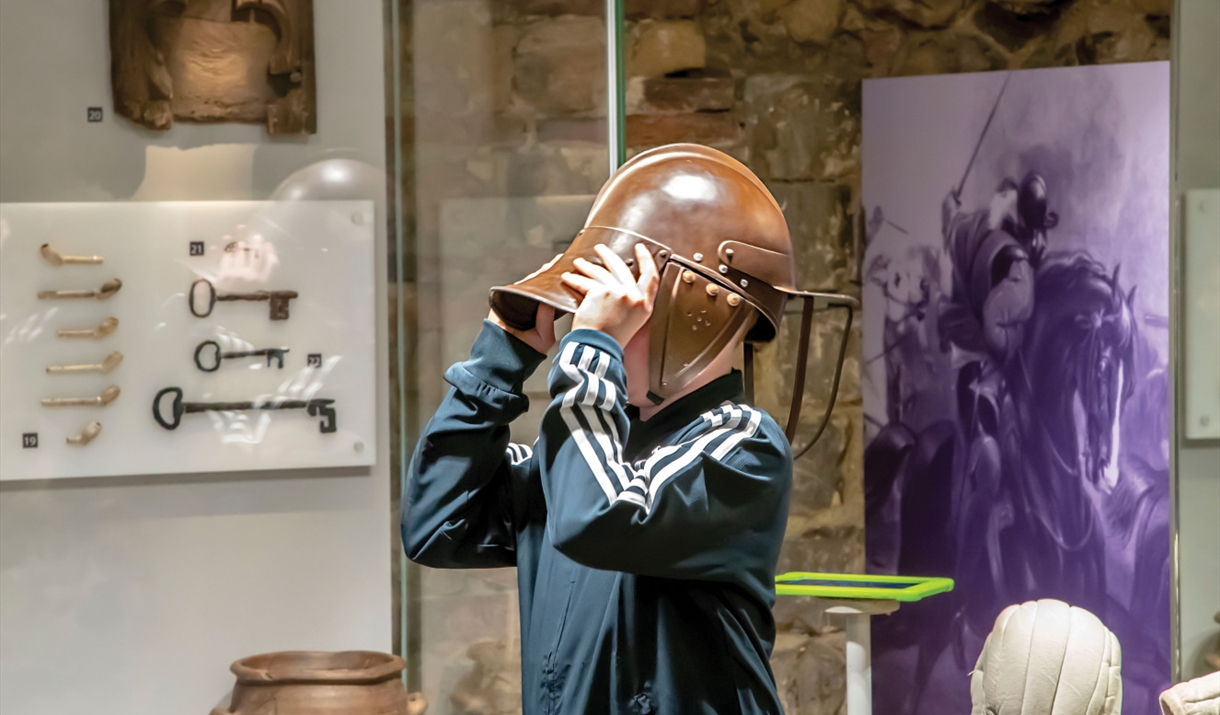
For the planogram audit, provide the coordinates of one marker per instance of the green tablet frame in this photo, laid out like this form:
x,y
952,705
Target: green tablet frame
x,y
918,588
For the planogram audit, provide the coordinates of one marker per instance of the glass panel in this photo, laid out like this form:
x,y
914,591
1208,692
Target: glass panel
x,y
503,139
181,142
1196,144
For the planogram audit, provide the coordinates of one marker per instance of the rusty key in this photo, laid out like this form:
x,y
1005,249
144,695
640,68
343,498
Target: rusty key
x,y
212,363
277,298
178,408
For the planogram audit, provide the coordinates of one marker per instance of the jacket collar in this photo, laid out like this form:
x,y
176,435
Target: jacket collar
x,y
681,413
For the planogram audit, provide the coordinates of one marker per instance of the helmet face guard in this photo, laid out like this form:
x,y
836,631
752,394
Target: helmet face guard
x,y
723,255
693,320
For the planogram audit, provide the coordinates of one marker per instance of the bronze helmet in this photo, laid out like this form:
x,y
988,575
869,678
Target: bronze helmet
x,y
722,249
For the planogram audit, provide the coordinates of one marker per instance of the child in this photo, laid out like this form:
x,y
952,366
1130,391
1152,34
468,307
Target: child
x,y
646,520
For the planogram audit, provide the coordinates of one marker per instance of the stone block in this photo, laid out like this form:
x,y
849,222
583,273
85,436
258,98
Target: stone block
x,y
820,222
810,673
924,13
799,615
1013,29
838,549
661,47
880,46
710,128
801,128
504,46
1100,33
1028,7
817,483
662,9
453,46
471,130
854,20
675,95
492,685
1154,7
812,20
556,169
572,130
560,65
947,53
555,8
777,366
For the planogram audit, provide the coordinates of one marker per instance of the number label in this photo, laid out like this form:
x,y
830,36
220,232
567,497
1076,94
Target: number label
x,y
29,440
314,360
95,114
196,248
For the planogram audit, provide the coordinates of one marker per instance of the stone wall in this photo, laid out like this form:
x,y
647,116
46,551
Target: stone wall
x,y
776,83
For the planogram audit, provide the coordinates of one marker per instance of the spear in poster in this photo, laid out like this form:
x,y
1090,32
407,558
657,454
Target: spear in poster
x,y
979,145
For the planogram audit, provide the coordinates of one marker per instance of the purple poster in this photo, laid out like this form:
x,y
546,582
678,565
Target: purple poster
x,y
1016,343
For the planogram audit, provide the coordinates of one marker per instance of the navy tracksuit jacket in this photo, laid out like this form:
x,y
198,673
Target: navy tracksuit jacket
x,y
645,551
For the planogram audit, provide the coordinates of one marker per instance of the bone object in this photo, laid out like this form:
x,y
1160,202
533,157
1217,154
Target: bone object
x,y
56,258
111,362
110,394
103,329
93,429
108,289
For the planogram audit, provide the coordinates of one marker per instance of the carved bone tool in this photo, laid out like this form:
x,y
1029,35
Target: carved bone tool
x,y
109,363
110,394
103,329
56,258
108,289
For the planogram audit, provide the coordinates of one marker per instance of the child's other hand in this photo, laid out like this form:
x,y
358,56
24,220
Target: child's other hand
x,y
542,336
614,302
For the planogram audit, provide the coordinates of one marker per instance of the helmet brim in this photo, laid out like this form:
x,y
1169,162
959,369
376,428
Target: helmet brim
x,y
517,304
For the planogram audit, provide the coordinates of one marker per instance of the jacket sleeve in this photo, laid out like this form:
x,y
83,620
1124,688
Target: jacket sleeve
x,y
465,482
695,510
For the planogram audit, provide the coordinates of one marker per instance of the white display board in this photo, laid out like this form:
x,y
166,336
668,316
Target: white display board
x,y
321,250
1202,319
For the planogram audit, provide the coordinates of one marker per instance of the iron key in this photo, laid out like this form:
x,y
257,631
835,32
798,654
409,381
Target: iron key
x,y
178,408
276,354
277,298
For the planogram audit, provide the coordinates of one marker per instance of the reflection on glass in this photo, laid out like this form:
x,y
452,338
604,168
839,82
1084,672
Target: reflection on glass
x,y
508,149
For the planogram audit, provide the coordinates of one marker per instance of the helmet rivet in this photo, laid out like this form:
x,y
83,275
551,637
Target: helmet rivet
x,y
734,300
724,268
744,282
713,289
688,277
698,256
728,253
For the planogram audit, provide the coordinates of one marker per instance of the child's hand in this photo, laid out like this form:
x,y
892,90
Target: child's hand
x,y
542,336
614,302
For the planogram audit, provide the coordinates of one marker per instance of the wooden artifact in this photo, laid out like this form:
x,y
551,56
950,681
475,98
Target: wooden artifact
x,y
214,61
316,683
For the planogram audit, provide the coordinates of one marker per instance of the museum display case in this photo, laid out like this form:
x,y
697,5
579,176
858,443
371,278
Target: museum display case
x,y
242,240
194,433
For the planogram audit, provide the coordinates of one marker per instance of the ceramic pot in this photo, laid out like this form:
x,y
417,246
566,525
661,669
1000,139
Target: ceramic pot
x,y
317,683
